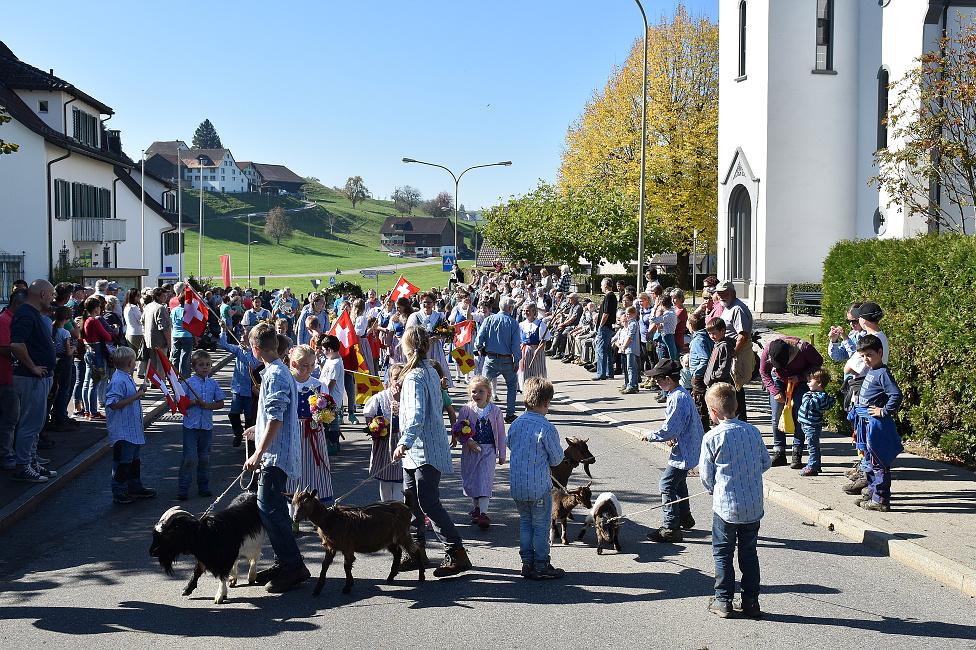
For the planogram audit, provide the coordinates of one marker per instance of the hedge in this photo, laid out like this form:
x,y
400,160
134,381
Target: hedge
x,y
802,287
927,289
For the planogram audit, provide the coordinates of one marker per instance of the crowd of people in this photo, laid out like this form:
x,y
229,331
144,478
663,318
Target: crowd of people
x,y
293,389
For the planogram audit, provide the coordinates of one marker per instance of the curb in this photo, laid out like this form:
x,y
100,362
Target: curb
x,y
21,506
921,559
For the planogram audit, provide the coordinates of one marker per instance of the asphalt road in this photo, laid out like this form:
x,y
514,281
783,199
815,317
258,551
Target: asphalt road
x,y
78,569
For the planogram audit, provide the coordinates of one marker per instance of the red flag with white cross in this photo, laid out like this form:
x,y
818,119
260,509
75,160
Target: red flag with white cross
x,y
195,313
403,289
343,330
465,332
160,383
181,399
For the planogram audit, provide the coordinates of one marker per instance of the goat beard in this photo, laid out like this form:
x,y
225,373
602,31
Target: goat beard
x,y
166,562
586,469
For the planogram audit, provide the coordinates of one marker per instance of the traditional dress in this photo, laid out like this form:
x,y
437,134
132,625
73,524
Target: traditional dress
x,y
478,469
382,452
315,474
396,350
436,352
533,334
364,347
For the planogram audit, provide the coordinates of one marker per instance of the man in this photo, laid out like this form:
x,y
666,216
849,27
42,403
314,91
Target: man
x,y
157,327
604,332
9,402
564,279
33,350
77,300
738,325
546,281
566,324
499,340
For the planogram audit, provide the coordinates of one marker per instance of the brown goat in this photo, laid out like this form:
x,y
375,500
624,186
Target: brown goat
x,y
576,452
605,518
358,530
562,507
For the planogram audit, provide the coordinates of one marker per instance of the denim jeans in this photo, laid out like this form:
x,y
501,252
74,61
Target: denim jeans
x,y
59,406
80,370
9,416
273,510
126,467
535,518
196,445
349,388
674,486
632,362
812,435
33,394
504,366
421,489
725,537
93,393
240,404
604,360
779,437
180,355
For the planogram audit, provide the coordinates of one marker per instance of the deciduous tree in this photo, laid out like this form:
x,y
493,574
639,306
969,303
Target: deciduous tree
x,y
277,224
406,198
355,190
440,206
205,137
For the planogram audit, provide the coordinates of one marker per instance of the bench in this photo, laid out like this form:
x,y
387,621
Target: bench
x,y
806,300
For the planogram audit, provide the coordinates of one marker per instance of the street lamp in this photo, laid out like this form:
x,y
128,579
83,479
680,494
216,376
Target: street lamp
x,y
200,160
249,242
640,208
457,180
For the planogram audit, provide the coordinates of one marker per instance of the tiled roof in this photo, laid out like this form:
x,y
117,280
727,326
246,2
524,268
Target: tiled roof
x,y
215,156
488,255
278,174
417,225
16,74
165,147
171,217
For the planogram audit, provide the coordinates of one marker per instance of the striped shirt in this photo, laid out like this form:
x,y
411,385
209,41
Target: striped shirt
x,y
240,383
534,445
124,423
813,406
733,460
422,429
279,401
206,388
668,321
681,423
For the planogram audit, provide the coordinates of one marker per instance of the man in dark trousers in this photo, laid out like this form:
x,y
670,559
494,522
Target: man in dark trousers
x,y
500,341
605,319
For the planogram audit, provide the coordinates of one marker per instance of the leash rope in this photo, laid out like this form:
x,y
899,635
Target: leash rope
x,y
222,495
626,444
661,505
364,482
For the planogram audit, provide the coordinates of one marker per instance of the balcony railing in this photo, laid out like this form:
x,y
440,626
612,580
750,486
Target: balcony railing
x,y
97,230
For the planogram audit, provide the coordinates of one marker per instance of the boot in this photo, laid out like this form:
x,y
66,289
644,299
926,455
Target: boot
x,y
666,535
779,458
796,460
455,561
687,521
237,426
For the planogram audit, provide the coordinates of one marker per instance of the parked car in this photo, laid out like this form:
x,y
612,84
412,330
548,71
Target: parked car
x,y
396,254
422,255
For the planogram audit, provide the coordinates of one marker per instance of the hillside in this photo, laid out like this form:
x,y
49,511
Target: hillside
x,y
312,248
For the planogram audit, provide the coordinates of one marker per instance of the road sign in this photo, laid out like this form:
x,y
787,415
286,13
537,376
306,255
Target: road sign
x,y
368,272
261,280
387,272
331,280
370,276
316,282
448,262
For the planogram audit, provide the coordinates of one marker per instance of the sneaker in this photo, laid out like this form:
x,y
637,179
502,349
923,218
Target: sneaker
x,y
265,576
661,399
854,472
806,471
288,579
475,515
455,561
143,493
353,419
666,535
598,378
125,498
205,492
97,416
871,504
721,608
630,391
856,486
687,521
428,524
483,522
182,496
748,607
8,463
548,573
28,475
796,460
779,459
527,568
40,461
43,471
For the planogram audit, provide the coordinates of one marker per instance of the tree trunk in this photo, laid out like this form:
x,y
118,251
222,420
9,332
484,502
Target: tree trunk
x,y
682,277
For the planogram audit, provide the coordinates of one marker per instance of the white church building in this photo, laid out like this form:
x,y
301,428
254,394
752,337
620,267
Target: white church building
x,y
803,90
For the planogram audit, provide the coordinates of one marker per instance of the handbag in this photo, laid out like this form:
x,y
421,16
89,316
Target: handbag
x,y
786,423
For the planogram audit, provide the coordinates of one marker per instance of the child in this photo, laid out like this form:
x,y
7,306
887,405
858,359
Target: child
x,y
64,349
719,369
198,424
125,433
534,445
682,431
630,350
686,371
315,471
240,386
281,328
700,352
733,459
876,435
479,453
448,402
374,344
332,378
311,327
387,404
814,403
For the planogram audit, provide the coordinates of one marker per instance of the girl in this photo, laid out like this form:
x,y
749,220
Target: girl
x,y
374,343
360,322
463,312
97,338
533,333
65,350
428,319
132,314
479,453
315,474
387,404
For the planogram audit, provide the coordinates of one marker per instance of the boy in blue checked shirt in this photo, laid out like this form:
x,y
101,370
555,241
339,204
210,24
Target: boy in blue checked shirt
x,y
629,347
733,459
682,431
240,386
123,417
534,445
198,424
814,403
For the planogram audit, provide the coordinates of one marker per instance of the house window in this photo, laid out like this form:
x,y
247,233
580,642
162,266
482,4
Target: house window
x,y
85,127
90,202
882,109
86,257
172,243
42,106
740,234
742,38
62,199
11,268
825,35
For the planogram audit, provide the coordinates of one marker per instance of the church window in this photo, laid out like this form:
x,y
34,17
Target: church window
x,y
883,80
742,38
825,35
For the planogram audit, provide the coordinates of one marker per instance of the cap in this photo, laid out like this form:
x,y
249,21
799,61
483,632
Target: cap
x,y
869,311
112,286
779,353
77,287
666,368
724,285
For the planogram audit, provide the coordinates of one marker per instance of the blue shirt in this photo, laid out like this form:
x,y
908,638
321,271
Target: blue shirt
x,y
633,337
534,445
681,423
206,389
177,315
700,351
880,389
240,383
32,329
500,334
279,401
124,423
844,350
813,406
304,334
422,428
732,464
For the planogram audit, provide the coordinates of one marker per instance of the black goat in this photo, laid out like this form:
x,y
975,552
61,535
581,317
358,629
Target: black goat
x,y
605,517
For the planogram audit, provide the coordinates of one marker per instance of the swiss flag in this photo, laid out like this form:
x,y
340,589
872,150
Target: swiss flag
x,y
160,383
465,332
195,313
403,289
182,401
343,330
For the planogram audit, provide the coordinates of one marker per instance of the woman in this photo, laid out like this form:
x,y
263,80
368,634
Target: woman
x,y
428,319
183,340
157,327
255,314
533,333
678,299
398,327
315,307
97,339
784,366
132,313
426,453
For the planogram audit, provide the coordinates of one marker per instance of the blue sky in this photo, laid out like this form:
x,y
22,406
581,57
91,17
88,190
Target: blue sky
x,y
336,89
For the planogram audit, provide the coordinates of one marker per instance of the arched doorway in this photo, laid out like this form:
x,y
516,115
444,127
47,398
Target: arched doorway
x,y
740,235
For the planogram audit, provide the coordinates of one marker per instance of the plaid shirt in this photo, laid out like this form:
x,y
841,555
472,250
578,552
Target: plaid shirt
x,y
534,445
279,401
124,423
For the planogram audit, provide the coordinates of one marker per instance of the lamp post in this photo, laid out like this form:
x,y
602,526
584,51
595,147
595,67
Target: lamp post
x,y
249,242
457,180
200,160
640,208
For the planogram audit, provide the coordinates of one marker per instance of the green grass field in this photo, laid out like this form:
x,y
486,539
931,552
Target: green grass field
x,y
801,331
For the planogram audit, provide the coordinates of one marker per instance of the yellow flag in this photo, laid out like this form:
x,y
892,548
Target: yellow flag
x,y
366,386
463,359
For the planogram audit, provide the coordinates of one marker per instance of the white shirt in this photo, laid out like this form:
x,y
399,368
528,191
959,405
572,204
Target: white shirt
x,y
133,320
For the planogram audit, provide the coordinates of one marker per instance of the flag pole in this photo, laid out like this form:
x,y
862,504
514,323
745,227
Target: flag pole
x,y
177,371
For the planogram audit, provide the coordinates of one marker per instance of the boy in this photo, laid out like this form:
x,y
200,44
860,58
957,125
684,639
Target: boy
x,y
198,425
682,431
125,433
733,459
876,435
240,386
278,453
630,350
719,369
282,326
534,445
814,403
332,376
700,351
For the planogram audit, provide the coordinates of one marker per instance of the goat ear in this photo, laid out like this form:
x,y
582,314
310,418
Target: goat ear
x,y
288,496
570,441
314,492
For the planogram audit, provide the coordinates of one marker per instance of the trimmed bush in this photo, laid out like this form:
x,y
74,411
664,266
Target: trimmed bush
x,y
927,289
791,290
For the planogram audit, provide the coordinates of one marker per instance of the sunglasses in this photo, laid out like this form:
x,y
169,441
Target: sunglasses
x,y
851,321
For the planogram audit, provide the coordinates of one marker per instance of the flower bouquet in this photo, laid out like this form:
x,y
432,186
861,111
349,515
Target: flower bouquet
x,y
323,408
379,427
463,432
444,330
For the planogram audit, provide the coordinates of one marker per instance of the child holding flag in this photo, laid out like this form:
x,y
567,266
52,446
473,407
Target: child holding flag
x,y
125,433
240,386
198,425
386,405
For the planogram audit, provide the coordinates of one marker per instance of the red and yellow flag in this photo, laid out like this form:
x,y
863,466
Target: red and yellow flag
x,y
366,386
463,360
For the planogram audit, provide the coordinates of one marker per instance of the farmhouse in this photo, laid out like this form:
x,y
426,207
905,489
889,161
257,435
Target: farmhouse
x,y
416,234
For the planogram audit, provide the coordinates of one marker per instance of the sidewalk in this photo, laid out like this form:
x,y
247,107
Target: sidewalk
x,y
929,528
76,451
